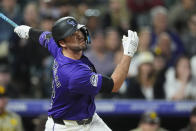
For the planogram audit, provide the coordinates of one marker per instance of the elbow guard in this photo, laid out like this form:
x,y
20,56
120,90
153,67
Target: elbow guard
x,y
107,84
34,34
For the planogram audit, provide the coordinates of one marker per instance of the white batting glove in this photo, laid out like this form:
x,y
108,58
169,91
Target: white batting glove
x,y
130,43
22,31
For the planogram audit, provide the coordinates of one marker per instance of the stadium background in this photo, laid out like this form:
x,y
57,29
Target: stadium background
x,y
167,30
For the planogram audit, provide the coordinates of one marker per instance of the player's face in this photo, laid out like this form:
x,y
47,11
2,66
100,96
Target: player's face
x,y
76,42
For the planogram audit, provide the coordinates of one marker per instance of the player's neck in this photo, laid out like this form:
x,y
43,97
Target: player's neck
x,y
71,54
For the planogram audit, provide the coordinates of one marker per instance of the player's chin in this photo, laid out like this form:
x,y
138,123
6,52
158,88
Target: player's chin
x,y
82,44
78,48
83,47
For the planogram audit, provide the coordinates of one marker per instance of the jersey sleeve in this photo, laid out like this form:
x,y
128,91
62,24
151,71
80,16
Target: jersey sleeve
x,y
84,81
47,41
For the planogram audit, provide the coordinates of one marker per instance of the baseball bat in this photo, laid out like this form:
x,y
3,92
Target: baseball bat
x,y
5,18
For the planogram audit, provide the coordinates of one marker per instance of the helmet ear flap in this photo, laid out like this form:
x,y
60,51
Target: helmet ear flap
x,y
84,30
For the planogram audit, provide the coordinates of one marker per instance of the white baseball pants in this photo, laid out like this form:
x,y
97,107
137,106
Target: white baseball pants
x,y
97,124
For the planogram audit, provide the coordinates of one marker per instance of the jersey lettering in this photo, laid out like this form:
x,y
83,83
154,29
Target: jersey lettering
x,y
56,78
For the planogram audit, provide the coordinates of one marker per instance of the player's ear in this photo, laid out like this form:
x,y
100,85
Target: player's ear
x,y
62,43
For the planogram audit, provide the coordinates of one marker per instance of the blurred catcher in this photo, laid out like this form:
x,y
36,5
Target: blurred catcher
x,y
9,121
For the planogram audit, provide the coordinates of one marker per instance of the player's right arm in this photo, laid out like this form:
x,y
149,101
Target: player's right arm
x,y
43,37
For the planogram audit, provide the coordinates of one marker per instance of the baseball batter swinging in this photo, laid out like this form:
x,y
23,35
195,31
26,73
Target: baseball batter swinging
x,y
75,81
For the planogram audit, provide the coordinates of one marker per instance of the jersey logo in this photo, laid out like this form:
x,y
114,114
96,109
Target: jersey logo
x,y
94,80
71,22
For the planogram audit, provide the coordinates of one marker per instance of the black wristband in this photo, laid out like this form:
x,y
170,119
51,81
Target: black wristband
x,y
34,34
107,84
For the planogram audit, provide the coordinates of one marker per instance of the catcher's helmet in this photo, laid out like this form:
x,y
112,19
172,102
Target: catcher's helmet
x,y
66,26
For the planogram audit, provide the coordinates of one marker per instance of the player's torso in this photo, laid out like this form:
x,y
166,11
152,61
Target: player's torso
x,y
64,103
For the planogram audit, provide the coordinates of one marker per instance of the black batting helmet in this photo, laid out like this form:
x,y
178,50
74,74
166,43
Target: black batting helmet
x,y
66,26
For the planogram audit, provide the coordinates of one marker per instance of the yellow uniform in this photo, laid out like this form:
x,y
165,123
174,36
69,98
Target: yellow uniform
x,y
10,121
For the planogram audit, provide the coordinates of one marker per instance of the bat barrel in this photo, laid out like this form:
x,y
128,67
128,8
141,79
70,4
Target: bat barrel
x,y
5,18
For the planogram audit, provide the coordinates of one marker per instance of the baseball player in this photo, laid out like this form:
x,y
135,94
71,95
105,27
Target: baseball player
x,y
75,81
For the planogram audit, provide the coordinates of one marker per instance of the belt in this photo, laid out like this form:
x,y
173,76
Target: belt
x,y
79,122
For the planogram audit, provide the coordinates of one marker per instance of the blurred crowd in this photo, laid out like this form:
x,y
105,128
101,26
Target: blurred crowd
x,y
163,67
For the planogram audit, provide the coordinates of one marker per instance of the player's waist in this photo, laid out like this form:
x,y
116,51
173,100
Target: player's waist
x,y
71,122
73,112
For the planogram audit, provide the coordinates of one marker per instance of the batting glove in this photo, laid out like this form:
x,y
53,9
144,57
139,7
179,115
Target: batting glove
x,y
130,43
22,31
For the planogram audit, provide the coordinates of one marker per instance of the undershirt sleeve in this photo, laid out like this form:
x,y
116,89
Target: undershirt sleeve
x,y
45,39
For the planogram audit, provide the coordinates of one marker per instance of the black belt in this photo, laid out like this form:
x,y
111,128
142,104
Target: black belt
x,y
79,122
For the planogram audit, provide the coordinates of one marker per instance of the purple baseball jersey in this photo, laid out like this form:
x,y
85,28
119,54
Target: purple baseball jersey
x,y
75,84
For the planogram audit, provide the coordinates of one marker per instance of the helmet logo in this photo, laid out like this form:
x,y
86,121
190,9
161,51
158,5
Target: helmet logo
x,y
71,22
